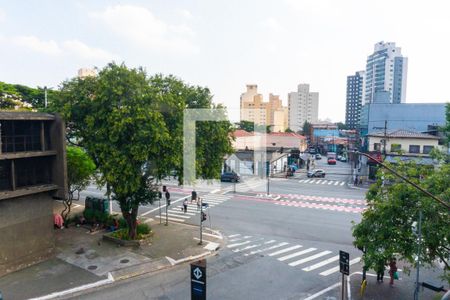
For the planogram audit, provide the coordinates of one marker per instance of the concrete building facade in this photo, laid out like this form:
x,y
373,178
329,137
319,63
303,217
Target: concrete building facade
x,y
386,74
354,101
303,106
256,110
408,116
32,172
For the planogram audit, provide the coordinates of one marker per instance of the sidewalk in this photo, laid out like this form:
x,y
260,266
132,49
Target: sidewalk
x,y
402,289
82,258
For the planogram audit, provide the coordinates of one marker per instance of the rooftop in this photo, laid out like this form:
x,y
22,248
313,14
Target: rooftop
x,y
402,133
25,115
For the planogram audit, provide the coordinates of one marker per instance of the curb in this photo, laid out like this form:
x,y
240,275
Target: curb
x,y
351,186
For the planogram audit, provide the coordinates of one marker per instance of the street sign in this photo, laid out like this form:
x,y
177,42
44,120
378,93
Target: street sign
x,y
344,262
198,280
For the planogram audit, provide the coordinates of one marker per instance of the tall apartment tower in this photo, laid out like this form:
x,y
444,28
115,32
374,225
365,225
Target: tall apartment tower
x,y
386,72
303,106
355,92
253,108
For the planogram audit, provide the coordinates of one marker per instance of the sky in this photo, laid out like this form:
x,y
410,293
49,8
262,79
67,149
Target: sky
x,y
225,45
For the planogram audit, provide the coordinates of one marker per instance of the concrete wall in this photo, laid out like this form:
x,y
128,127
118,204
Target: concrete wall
x,y
26,231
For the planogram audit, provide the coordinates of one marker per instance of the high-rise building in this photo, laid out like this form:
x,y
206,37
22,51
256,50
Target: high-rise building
x,y
254,109
355,91
303,106
386,72
86,72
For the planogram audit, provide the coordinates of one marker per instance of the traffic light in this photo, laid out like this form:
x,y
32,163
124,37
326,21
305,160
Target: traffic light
x,y
164,188
194,195
203,216
167,195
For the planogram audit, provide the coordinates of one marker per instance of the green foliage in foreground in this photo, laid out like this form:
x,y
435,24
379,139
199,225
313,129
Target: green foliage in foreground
x,y
386,229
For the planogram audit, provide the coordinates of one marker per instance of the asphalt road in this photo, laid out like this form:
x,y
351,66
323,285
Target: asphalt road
x,y
278,246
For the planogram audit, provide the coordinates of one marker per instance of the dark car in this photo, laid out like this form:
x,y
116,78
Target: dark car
x,y
316,173
331,161
230,176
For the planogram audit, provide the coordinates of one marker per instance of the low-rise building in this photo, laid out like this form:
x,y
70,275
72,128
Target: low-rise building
x,y
32,173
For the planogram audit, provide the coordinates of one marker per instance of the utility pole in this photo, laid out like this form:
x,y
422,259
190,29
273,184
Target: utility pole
x,y
201,221
385,137
416,292
45,97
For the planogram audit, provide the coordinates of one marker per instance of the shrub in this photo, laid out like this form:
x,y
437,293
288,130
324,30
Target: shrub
x,y
143,229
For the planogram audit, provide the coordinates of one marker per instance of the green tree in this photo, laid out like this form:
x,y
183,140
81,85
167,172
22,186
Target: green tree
x,y
80,169
447,124
341,126
306,130
246,125
131,125
288,130
393,206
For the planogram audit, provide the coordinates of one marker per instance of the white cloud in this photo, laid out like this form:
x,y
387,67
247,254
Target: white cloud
x,y
84,51
31,42
185,14
2,15
73,48
141,26
272,24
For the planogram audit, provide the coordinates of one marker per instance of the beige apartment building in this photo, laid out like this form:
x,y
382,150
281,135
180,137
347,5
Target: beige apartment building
x,y
254,109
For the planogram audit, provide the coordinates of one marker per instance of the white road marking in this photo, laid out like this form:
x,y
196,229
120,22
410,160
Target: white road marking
x,y
171,219
178,216
285,250
318,181
296,254
181,212
336,269
301,261
240,238
324,182
247,248
330,182
321,264
342,183
337,182
239,244
234,235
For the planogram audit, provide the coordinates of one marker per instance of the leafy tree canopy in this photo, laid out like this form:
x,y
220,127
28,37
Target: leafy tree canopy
x,y
306,128
132,127
386,227
80,169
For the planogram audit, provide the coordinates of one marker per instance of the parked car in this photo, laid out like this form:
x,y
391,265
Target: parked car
x,y
331,161
316,173
339,157
318,156
230,176
343,159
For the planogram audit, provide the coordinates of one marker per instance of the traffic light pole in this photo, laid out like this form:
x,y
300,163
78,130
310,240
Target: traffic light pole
x,y
201,222
167,212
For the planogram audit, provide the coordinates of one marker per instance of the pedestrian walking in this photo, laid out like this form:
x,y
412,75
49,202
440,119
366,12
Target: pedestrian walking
x,y
185,205
393,270
356,180
379,268
198,203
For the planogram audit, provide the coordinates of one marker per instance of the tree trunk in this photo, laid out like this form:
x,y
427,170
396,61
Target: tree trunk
x,y
67,208
131,219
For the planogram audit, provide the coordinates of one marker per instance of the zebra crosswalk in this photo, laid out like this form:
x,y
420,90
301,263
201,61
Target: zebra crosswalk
x,y
307,259
177,214
323,182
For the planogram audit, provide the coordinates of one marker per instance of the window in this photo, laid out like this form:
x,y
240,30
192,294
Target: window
x,y
427,149
396,147
377,147
32,171
5,175
414,149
